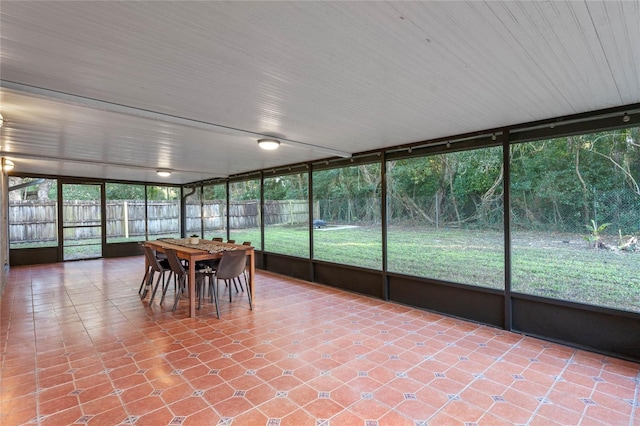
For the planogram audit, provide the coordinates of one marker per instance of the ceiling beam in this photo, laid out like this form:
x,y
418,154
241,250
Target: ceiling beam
x,y
100,105
12,154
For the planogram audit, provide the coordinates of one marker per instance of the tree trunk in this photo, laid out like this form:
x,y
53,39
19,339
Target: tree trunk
x,y
585,190
450,175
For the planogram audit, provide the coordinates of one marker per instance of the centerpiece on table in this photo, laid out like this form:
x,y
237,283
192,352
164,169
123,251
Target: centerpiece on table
x,y
194,239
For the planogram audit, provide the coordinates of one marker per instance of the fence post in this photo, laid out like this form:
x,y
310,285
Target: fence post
x,y
125,218
259,212
291,212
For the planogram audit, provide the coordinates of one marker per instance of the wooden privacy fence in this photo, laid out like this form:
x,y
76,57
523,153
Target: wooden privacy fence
x,y
286,212
246,214
36,220
32,221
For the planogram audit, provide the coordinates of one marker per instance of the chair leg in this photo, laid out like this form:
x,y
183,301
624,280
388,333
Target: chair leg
x,y
179,292
248,286
211,288
216,290
148,285
155,289
165,287
144,279
200,290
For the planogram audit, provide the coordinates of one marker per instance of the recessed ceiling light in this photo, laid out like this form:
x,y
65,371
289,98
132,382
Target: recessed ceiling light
x,y
164,173
269,144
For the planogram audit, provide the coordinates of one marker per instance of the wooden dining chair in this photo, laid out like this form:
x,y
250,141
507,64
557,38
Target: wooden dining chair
x,y
231,266
179,276
147,271
211,263
236,281
207,274
155,267
244,273
161,258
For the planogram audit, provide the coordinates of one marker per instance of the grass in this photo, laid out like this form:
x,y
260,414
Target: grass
x,y
544,264
577,273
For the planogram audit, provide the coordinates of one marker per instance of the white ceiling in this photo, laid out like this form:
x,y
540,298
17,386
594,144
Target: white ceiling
x,y
116,90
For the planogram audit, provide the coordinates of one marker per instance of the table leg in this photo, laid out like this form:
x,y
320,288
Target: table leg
x,y
192,288
252,273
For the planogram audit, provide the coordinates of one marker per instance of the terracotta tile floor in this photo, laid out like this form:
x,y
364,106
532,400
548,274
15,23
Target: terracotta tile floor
x,y
79,347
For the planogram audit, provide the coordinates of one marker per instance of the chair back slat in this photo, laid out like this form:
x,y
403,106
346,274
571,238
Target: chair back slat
x,y
151,259
231,265
174,262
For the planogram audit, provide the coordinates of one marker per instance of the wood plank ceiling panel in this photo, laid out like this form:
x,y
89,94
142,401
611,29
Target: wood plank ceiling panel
x,y
209,77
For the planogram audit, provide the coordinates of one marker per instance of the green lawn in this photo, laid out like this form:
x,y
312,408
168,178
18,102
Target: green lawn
x,y
544,264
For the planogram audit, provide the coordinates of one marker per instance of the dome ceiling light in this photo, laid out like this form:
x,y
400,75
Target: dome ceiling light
x,y
268,143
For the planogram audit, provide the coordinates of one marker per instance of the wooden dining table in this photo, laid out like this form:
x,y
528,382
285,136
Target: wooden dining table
x,y
203,250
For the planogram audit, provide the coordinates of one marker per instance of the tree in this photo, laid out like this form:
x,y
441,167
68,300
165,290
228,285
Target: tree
x,y
349,194
122,191
45,190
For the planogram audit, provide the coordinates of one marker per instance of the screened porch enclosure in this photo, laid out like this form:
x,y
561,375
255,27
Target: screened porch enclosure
x,y
531,231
